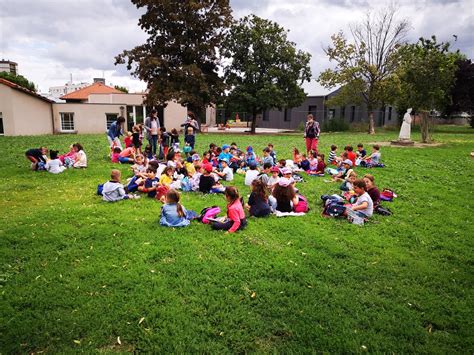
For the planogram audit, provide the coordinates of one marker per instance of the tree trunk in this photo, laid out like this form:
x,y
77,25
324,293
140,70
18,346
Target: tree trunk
x,y
425,126
254,123
371,122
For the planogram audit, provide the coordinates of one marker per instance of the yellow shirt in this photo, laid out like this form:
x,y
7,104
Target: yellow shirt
x,y
165,180
190,169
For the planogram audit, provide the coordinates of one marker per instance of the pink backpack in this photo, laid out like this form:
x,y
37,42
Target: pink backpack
x,y
302,205
209,212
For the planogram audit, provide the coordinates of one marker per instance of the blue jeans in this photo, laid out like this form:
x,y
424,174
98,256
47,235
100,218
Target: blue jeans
x,y
153,142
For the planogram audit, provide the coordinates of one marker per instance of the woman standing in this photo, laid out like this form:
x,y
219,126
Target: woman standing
x,y
152,126
311,134
115,131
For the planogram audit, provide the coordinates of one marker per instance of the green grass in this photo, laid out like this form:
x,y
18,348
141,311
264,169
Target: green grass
x,y
76,273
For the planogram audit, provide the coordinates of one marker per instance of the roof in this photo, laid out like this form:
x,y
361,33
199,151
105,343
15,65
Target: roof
x,y
24,90
96,88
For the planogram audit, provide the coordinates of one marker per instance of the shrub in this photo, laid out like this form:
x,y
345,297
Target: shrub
x,y
336,125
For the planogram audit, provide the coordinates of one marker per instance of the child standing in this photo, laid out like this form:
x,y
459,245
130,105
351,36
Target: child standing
x,y
54,166
128,140
173,214
164,142
113,190
174,139
136,137
235,213
189,137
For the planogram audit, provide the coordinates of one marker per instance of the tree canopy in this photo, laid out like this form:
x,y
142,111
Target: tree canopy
x,y
462,93
265,69
19,80
179,60
121,88
365,66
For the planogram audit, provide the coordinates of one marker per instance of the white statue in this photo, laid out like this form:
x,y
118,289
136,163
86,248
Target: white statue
x,y
405,131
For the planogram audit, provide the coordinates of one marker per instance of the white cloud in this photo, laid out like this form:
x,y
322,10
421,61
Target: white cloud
x,y
52,38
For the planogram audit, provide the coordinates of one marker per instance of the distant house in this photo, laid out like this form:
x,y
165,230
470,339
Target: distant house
x,y
293,118
88,110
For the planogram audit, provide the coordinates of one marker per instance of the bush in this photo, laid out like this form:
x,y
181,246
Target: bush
x,y
301,126
336,125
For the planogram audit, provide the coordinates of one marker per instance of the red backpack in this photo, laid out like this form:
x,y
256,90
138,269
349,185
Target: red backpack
x,y
302,205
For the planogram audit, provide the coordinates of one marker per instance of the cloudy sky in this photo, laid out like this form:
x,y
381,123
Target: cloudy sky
x,y
50,39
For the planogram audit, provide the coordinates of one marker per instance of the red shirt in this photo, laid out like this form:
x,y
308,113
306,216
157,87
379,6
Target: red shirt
x,y
235,212
352,157
320,168
128,141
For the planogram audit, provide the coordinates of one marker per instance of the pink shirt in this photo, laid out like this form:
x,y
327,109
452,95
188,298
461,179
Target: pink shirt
x,y
235,212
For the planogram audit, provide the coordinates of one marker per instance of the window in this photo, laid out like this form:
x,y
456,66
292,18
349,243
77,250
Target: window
x,y
312,109
331,113
287,116
67,121
266,116
389,113
343,112
353,113
2,132
110,118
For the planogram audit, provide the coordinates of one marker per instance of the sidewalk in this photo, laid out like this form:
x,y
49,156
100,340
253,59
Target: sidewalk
x,y
246,130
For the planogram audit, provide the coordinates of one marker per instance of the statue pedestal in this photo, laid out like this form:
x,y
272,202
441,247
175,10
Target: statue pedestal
x,y
403,142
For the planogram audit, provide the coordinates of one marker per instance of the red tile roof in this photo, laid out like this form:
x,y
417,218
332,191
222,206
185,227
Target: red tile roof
x,y
25,90
96,88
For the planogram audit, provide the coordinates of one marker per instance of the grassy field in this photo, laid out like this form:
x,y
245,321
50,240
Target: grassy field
x,y
78,274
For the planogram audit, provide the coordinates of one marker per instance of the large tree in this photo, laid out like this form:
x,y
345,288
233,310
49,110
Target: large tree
x,y
179,60
463,89
265,70
365,66
427,75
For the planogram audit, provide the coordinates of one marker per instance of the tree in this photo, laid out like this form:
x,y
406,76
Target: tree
x,y
427,76
365,67
19,80
179,60
463,89
265,69
121,88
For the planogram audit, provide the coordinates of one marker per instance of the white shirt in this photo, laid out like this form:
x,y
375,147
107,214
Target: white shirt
x,y
154,127
365,197
81,160
55,166
229,174
250,176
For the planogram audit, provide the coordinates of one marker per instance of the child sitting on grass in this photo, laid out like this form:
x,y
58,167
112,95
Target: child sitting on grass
x,y
37,156
258,200
273,153
363,207
113,190
173,214
332,155
115,155
372,190
235,213
267,158
283,197
81,157
251,174
207,183
348,184
226,174
374,159
151,183
54,165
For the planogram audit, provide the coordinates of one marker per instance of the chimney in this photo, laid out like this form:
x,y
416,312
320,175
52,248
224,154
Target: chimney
x,y
99,80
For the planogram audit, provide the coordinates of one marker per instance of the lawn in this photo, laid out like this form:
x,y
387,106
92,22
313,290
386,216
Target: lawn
x,y
78,274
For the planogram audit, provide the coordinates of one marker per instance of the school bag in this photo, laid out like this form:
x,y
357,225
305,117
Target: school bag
x,y
384,211
302,205
208,212
186,184
387,195
100,188
334,209
297,178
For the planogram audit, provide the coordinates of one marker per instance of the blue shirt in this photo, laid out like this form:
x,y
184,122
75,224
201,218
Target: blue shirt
x,y
171,218
225,156
115,130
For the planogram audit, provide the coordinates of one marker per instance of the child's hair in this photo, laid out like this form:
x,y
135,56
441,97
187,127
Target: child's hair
x,y
115,174
212,146
296,151
267,166
167,170
53,154
266,150
270,145
117,150
173,196
284,192
148,148
253,166
206,153
153,164
312,153
321,155
333,147
129,133
231,194
233,143
259,189
197,167
282,162
360,145
369,177
78,146
139,156
218,150
151,170
174,131
353,174
303,156
162,129
135,128
376,146
349,148
344,155
360,184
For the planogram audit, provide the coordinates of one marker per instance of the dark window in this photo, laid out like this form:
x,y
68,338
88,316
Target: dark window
x,y
67,121
313,110
287,116
1,124
110,118
343,112
389,113
266,116
353,113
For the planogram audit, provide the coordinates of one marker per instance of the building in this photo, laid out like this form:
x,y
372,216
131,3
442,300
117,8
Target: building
x,y
293,118
56,92
9,67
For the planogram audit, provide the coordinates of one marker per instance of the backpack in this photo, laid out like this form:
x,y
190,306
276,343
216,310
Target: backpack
x,y
302,205
186,184
384,211
208,212
297,178
387,195
100,187
334,210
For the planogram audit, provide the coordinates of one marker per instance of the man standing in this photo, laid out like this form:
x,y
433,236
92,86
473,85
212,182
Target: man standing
x,y
115,131
152,126
311,134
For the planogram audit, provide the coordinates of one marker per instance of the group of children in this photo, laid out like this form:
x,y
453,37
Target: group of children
x,y
56,163
272,181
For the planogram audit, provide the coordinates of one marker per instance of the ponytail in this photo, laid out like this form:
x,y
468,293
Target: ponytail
x,y
180,210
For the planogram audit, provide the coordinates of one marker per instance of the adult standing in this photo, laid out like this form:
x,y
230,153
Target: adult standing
x,y
192,122
311,134
152,127
115,131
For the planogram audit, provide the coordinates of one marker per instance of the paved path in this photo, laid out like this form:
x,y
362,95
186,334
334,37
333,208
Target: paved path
x,y
243,130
